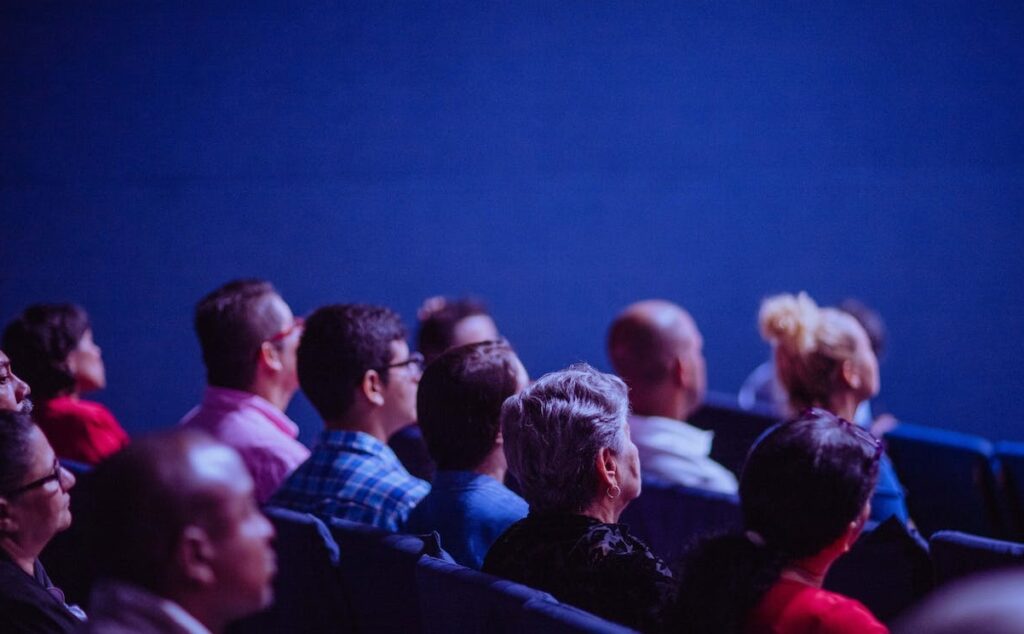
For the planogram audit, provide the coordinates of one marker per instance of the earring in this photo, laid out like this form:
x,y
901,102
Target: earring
x,y
613,491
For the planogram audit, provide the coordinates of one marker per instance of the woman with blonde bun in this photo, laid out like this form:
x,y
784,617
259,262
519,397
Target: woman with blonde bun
x,y
823,358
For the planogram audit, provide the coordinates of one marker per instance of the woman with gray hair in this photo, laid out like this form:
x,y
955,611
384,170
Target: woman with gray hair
x,y
567,442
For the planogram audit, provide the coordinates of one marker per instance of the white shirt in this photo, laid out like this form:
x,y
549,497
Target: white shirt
x,y
677,452
121,608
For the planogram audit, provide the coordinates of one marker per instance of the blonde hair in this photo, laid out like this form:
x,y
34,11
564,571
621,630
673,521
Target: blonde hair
x,y
810,344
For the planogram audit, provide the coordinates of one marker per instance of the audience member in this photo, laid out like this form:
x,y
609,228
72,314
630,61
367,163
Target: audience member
x,y
13,391
567,442
52,347
34,506
986,603
443,324
458,406
181,545
249,336
356,369
823,358
656,348
804,493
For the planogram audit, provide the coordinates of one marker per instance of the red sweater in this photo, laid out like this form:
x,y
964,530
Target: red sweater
x,y
791,607
79,430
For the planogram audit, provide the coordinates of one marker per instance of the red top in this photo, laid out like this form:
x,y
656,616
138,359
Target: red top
x,y
79,430
791,607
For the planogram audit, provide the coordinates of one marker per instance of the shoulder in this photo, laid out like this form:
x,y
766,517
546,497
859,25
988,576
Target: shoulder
x,y
842,615
814,610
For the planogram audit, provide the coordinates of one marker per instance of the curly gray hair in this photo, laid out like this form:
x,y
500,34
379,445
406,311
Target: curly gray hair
x,y
553,431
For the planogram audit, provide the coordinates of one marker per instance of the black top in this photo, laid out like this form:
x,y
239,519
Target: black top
x,y
595,566
31,603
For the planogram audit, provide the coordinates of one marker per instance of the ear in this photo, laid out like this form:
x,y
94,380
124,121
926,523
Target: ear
x,y
850,375
856,527
270,356
194,556
372,388
680,374
607,468
8,523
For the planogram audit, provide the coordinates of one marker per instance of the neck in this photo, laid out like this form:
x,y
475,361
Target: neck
x,y
844,405
659,400
811,570
366,424
203,612
24,557
494,464
604,509
276,394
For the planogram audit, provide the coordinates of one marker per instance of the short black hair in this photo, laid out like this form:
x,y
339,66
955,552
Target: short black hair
x,y
340,343
438,318
458,403
38,342
232,323
15,459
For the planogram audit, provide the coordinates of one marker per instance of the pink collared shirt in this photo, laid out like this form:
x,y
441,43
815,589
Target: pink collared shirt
x,y
262,434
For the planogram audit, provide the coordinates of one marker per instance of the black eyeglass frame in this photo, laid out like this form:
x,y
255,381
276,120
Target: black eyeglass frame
x,y
53,477
414,358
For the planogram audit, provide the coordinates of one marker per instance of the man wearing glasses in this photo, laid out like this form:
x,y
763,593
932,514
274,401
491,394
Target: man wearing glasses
x,y
249,337
356,369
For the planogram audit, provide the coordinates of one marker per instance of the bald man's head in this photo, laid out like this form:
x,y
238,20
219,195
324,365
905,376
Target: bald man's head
x,y
655,343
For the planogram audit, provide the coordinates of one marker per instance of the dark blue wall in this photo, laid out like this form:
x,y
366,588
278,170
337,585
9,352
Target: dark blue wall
x,y
559,159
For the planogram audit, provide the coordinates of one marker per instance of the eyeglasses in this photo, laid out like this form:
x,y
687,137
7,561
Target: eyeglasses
x,y
297,324
414,361
853,428
53,477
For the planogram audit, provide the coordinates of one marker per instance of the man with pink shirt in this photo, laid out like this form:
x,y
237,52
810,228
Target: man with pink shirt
x,y
249,336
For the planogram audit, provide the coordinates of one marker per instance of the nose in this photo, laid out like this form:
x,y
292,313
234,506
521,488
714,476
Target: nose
x,y
21,389
67,479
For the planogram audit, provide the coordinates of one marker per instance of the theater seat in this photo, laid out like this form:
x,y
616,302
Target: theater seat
x,y
308,593
669,517
1010,458
948,477
956,554
549,617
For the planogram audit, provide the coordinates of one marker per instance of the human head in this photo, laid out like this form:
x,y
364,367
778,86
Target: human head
x,y
458,404
176,515
34,500
806,480
654,345
567,441
247,333
52,347
354,363
446,323
13,391
870,320
820,353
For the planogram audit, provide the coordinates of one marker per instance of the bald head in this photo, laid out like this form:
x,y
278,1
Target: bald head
x,y
654,345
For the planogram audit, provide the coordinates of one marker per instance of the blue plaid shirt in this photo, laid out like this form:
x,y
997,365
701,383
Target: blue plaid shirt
x,y
352,476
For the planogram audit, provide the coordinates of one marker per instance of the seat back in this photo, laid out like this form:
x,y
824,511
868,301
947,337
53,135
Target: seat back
x,y
378,571
552,617
956,554
949,479
735,429
887,570
1010,471
308,595
670,517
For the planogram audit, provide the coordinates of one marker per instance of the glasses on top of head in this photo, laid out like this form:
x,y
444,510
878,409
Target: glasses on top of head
x,y
53,477
855,429
297,324
415,361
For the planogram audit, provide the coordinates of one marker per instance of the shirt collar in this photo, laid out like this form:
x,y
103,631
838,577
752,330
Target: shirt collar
x,y
698,440
113,599
357,442
227,398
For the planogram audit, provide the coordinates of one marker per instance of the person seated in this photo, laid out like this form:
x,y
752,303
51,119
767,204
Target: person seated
x,y
458,405
14,393
823,358
804,493
248,337
655,347
567,442
52,346
180,544
34,506
443,324
356,369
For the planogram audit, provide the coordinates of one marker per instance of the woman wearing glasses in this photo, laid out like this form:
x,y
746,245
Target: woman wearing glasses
x,y
33,508
824,358
804,492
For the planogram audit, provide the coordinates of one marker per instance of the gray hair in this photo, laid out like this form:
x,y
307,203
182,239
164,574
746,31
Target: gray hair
x,y
553,431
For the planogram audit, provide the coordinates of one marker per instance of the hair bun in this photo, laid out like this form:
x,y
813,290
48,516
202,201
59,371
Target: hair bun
x,y
789,321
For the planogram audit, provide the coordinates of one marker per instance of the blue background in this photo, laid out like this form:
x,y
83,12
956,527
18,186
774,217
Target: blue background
x,y
558,159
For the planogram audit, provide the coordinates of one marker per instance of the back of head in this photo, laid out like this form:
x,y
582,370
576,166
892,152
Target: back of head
x,y
38,342
438,319
339,345
810,345
144,497
459,402
15,456
804,482
554,430
644,340
232,322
